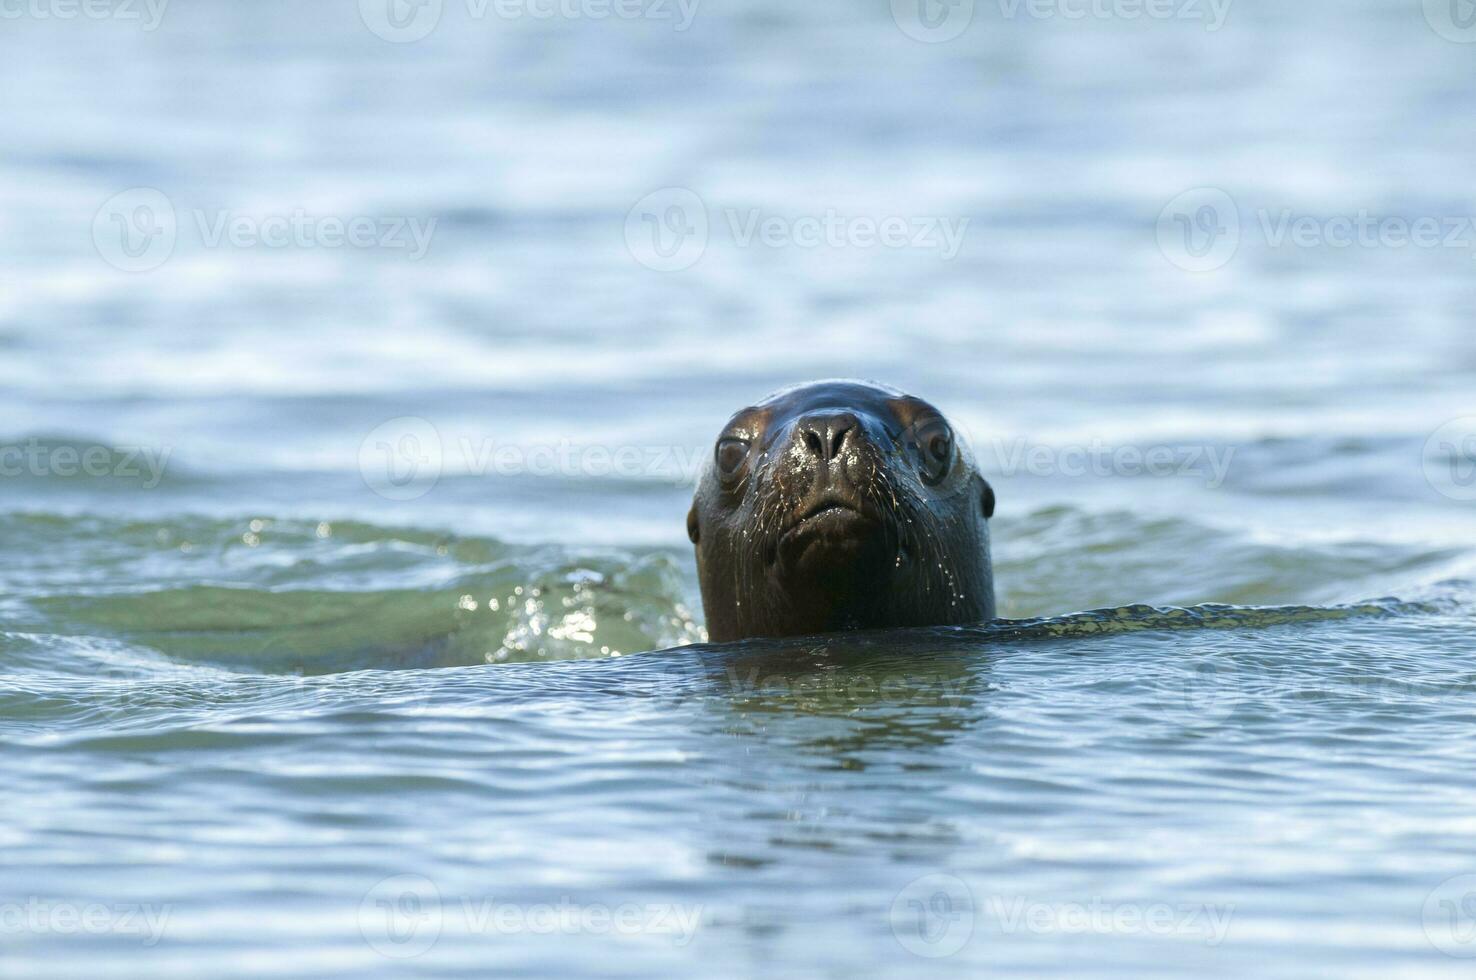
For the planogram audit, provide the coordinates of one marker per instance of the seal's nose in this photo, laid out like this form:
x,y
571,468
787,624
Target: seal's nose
x,y
825,434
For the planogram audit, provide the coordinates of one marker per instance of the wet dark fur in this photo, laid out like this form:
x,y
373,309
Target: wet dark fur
x,y
900,545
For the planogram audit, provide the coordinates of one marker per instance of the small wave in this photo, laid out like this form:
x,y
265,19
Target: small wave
x,y
1062,555
270,596
1138,618
1104,622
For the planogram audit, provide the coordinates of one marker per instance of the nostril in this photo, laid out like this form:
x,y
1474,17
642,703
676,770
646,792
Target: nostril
x,y
838,439
825,435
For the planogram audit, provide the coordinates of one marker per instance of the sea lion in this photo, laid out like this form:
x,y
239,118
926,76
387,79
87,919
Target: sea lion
x,y
841,505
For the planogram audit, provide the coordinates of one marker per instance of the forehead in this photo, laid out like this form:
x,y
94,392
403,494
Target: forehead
x,y
829,394
856,396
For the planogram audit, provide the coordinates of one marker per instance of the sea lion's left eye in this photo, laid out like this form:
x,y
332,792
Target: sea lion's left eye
x,y
730,456
936,444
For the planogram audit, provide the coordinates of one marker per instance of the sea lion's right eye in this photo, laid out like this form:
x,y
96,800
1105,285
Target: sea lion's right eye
x,y
731,454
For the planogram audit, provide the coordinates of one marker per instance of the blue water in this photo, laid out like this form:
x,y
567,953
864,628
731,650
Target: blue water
x,y
348,624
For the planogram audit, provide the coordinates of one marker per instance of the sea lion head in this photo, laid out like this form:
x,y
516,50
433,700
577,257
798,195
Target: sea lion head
x,y
841,505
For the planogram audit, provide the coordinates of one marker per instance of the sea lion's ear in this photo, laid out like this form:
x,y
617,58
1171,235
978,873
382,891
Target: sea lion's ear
x,y
987,498
692,528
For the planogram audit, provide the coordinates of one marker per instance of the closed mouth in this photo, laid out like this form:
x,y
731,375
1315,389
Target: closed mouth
x,y
826,519
825,510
